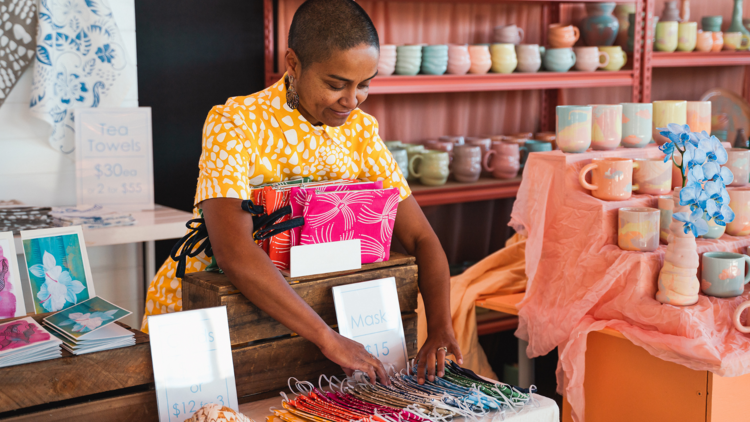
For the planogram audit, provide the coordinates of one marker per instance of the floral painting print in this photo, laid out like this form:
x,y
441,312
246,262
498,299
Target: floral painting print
x,y
21,333
7,298
11,295
56,272
86,317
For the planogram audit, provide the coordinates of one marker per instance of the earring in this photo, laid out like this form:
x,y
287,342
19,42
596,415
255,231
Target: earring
x,y
292,98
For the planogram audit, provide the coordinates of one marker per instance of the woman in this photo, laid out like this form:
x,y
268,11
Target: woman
x,y
308,124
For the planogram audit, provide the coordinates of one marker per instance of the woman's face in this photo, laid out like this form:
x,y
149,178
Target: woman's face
x,y
329,91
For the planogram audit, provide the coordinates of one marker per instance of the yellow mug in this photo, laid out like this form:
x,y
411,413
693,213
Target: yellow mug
x,y
617,57
666,36
736,41
687,36
666,112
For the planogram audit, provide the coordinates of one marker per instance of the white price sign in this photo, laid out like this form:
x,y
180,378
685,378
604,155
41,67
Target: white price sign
x,y
192,359
369,314
114,158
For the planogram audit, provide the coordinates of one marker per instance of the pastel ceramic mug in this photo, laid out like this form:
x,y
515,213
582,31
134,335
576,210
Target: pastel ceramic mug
x,y
458,140
562,36
387,61
652,176
723,274
666,112
412,150
434,145
638,229
736,318
735,41
666,36
611,178
459,60
687,36
704,41
712,23
529,57
434,59
408,59
508,34
636,124
699,116
588,59
559,59
738,162
504,58
402,159
481,61
617,57
467,163
573,128
606,131
739,202
666,204
537,146
718,38
485,144
433,167
393,144
503,160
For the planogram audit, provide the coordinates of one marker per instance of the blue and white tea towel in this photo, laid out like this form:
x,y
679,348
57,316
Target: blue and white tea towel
x,y
80,62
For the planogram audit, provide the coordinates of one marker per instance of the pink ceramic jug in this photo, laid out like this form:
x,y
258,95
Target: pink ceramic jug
x,y
505,159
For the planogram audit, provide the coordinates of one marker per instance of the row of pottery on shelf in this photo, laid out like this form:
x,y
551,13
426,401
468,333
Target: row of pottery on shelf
x,y
685,36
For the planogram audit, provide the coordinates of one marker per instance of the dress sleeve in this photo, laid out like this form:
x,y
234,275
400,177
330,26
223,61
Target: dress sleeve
x,y
228,157
379,164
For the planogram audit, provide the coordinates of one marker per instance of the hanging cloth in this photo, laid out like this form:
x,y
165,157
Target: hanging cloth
x,y
80,62
17,29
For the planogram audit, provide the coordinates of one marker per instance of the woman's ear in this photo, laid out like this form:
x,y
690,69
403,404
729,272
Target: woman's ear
x,y
293,65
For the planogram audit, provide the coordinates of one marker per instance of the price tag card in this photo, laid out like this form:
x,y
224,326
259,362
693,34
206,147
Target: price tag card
x,y
192,359
369,313
114,158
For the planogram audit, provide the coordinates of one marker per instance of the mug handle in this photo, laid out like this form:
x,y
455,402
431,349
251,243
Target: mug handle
x,y
486,160
736,318
745,43
635,186
525,150
582,177
606,59
624,58
520,33
411,165
577,33
747,274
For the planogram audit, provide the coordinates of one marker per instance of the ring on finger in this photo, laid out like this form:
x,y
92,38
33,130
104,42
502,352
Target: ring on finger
x,y
444,348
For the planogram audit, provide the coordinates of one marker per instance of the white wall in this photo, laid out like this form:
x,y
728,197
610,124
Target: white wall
x,y
32,172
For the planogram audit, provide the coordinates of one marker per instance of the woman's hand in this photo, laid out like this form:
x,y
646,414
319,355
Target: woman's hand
x,y
352,356
431,353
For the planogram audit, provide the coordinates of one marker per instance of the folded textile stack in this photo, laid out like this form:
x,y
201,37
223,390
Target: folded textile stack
x,y
91,217
25,341
17,218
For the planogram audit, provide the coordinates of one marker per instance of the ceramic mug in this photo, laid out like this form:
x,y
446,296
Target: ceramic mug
x,y
508,34
529,57
503,160
588,59
704,41
606,130
735,41
718,38
573,128
666,204
636,124
431,167
393,144
739,163
550,137
723,274
459,60
698,116
481,61
666,112
412,150
402,159
611,178
652,176
562,36
638,229
458,140
617,57
387,61
485,144
467,163
559,59
434,59
666,36
408,59
712,23
433,145
739,202
687,36
504,58
736,317
533,145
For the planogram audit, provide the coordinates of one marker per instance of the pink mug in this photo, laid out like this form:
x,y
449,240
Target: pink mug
x,y
505,159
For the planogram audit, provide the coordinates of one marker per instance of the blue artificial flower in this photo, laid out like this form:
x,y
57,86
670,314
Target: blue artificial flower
x,y
668,150
724,216
696,175
679,134
713,148
693,221
693,156
690,194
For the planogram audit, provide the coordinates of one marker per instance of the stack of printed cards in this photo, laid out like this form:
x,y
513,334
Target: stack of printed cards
x,y
89,327
25,341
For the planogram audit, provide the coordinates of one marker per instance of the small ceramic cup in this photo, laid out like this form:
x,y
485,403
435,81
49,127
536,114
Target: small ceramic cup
x,y
666,112
617,57
723,274
504,58
559,59
606,131
699,116
718,38
711,23
393,144
739,163
611,178
739,202
638,229
666,205
402,160
666,36
458,140
636,124
481,60
485,144
529,57
434,59
408,59
503,160
412,150
562,36
431,167
687,36
588,59
434,145
508,34
547,137
459,60
467,163
735,41
704,41
387,61
573,128
652,176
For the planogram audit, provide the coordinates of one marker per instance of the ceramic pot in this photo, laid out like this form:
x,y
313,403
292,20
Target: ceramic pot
x,y
636,124
718,38
387,61
504,58
431,167
600,27
481,61
737,25
606,131
666,36
504,160
699,116
434,59
638,229
507,34
529,57
402,159
588,59
622,11
671,12
738,162
412,150
562,36
739,202
704,41
459,60
687,36
678,282
467,163
617,57
408,59
559,59
666,112
573,128
711,23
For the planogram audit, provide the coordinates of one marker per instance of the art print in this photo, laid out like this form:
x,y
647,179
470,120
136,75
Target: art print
x,y
21,333
58,268
11,294
86,317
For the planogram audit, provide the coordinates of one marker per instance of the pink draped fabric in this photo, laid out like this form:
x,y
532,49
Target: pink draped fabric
x,y
579,280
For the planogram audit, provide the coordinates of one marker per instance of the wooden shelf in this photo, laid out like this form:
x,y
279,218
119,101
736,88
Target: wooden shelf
x,y
695,58
455,192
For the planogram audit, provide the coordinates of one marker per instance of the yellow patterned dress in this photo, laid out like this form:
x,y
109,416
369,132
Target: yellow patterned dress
x,y
258,139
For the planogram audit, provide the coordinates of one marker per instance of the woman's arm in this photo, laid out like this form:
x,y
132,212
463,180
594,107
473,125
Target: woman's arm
x,y
252,272
416,235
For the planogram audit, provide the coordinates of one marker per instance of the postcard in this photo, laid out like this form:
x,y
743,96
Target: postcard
x,y
58,268
21,333
11,294
86,317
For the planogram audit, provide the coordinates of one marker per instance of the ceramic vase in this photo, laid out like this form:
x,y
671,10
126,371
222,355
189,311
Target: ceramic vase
x,y
671,13
678,279
621,13
737,25
600,27
459,61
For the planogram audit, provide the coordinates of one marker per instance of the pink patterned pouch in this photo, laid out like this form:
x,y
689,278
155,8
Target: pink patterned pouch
x,y
367,215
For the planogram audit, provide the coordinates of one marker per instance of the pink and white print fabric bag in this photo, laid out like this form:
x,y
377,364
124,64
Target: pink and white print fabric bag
x,y
367,215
